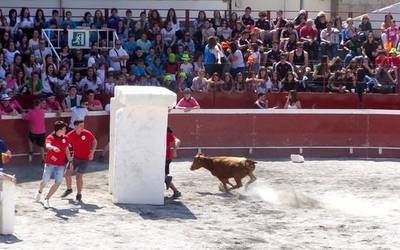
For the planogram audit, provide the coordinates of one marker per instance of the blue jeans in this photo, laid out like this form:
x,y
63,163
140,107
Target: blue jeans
x,y
52,170
329,49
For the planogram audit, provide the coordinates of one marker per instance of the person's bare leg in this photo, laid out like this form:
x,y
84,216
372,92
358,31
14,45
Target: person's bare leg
x,y
68,179
79,183
42,153
30,150
52,190
42,186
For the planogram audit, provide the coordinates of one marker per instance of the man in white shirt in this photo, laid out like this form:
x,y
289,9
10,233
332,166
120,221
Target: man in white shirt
x,y
330,40
118,56
42,52
78,113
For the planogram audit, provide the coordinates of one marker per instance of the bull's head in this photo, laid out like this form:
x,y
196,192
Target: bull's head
x,y
197,162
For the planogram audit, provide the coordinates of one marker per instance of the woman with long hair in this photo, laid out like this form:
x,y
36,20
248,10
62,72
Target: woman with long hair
x,y
154,17
229,82
98,19
171,17
39,20
217,19
240,85
292,101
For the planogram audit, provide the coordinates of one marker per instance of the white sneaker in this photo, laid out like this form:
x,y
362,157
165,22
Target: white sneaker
x,y
37,197
46,204
30,157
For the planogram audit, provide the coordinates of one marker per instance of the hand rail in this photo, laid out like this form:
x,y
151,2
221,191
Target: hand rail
x,y
51,44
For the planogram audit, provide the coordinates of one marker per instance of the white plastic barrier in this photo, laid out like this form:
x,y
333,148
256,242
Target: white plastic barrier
x,y
7,203
139,117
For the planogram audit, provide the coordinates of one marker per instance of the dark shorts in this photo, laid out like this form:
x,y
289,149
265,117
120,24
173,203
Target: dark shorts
x,y
80,166
37,139
167,162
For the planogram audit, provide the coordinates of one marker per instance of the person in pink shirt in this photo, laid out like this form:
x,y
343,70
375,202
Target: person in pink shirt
x,y
37,130
52,105
6,108
187,102
309,35
94,104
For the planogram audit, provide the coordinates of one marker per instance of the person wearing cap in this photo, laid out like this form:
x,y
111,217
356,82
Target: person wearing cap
x,y
37,132
187,102
182,81
6,108
187,66
169,83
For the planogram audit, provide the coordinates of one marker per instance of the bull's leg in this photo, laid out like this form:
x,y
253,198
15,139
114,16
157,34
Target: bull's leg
x,y
238,180
252,179
224,181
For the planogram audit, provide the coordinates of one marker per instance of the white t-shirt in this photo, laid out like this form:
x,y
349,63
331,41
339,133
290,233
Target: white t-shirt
x,y
9,56
109,88
39,54
63,83
239,62
26,23
117,53
77,114
33,44
187,68
46,82
87,84
167,35
257,56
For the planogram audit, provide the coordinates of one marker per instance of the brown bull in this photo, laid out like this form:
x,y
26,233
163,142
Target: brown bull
x,y
225,167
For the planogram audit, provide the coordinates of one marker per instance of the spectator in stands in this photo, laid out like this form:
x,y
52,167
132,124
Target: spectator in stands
x,y
309,35
329,40
49,79
93,104
224,32
261,102
217,20
247,19
321,75
72,99
387,22
168,35
118,56
336,83
279,23
349,30
320,22
90,82
154,18
236,59
283,67
37,130
187,102
199,83
290,82
86,20
365,24
6,108
390,37
143,43
370,47
68,21
299,57
55,19
240,84
353,49
274,55
35,84
52,105
25,22
292,101
42,51
228,83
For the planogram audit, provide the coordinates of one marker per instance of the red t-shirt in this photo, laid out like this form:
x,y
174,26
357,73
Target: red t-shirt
x,y
81,143
170,141
386,60
311,32
187,103
56,158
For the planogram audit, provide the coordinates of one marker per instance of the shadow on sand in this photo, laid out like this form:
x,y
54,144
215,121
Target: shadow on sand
x,y
9,239
172,209
65,214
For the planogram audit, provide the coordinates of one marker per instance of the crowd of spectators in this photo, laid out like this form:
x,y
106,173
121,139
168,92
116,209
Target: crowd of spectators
x,y
226,54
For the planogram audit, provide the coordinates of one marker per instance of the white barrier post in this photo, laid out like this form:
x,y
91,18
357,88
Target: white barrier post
x,y
7,203
138,143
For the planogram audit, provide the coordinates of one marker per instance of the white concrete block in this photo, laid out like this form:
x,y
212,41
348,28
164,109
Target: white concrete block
x,y
138,134
296,158
7,203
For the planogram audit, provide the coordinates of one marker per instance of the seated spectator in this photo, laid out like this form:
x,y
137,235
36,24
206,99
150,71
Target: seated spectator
x,y
290,82
349,30
370,47
236,59
199,83
320,76
187,66
279,23
214,83
42,51
68,20
168,35
336,83
182,81
93,104
292,101
283,67
37,130
90,82
109,85
143,43
6,108
86,20
156,69
273,55
140,69
13,101
228,85
72,99
329,41
261,102
240,84
224,32
118,56
365,24
51,104
169,83
309,35
187,102
299,57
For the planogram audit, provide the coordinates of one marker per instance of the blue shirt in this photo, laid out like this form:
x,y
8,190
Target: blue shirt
x,y
209,58
71,23
112,21
138,71
144,45
156,70
129,47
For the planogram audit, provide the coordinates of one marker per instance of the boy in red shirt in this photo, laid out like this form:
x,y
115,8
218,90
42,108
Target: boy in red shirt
x,y
84,145
172,143
57,151
37,130
187,102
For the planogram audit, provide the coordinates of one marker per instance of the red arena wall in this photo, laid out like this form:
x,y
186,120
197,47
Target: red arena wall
x,y
258,133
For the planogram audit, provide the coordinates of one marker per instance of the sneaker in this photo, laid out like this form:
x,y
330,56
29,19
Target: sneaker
x,y
46,204
37,197
30,156
168,180
79,197
66,193
177,194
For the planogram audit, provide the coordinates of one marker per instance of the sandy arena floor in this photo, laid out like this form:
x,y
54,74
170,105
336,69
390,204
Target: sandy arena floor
x,y
315,205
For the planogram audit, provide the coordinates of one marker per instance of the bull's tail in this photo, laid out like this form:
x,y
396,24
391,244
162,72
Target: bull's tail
x,y
250,165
